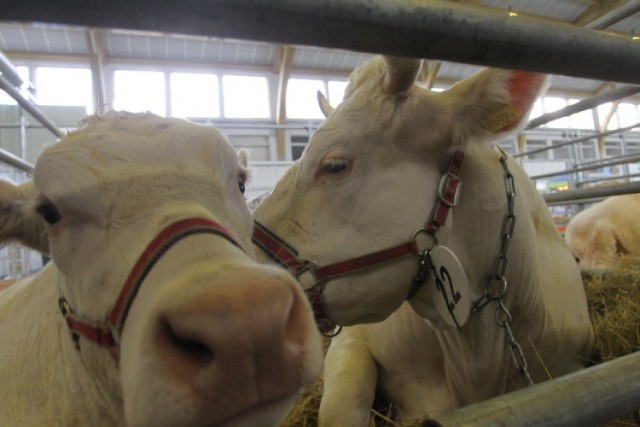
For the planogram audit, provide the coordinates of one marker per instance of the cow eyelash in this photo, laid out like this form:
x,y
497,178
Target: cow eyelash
x,y
335,166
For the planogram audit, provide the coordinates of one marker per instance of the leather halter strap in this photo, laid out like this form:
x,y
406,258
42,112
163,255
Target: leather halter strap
x,y
313,278
108,334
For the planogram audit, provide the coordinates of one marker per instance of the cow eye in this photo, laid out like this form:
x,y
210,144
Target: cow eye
x,y
241,184
49,213
335,166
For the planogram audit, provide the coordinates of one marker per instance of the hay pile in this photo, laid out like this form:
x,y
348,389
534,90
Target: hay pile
x,y
614,305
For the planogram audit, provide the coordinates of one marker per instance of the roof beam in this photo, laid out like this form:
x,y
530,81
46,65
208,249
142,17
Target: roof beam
x,y
97,59
618,14
597,10
286,57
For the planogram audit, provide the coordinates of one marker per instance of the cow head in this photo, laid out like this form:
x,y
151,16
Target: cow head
x,y
368,177
209,337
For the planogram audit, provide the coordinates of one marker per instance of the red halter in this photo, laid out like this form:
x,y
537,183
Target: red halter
x,y
108,334
313,278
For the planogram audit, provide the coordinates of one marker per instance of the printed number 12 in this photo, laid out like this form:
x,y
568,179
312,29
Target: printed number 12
x,y
445,277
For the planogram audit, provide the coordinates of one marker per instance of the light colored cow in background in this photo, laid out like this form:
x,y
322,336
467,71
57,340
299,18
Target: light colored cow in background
x,y
604,234
368,180
152,311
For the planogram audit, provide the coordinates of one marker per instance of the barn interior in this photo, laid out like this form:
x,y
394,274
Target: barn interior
x,y
252,69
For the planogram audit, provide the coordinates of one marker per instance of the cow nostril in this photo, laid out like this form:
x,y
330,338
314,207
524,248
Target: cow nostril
x,y
189,347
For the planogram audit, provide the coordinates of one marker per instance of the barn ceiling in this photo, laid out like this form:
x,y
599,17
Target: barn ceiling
x,y
54,42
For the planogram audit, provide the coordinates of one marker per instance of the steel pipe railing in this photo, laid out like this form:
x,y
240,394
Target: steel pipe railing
x,y
608,178
8,71
585,104
435,30
575,141
29,106
603,164
598,161
593,193
16,161
585,398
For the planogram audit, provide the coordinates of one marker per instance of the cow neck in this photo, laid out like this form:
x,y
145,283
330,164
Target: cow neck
x,y
107,334
314,279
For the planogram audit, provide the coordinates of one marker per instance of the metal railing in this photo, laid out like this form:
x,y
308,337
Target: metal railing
x,y
435,30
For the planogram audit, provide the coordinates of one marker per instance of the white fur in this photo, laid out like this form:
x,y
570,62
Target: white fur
x,y
397,144
602,235
117,182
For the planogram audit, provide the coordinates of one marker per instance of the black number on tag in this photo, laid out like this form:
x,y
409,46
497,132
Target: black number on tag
x,y
443,278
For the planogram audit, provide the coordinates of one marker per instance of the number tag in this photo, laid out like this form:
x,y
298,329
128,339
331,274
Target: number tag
x,y
450,295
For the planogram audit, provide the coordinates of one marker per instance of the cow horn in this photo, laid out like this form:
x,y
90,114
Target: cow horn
x,y
325,107
401,73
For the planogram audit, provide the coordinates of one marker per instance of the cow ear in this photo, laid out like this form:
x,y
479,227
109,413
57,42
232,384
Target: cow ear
x,y
494,101
401,73
18,220
323,103
243,157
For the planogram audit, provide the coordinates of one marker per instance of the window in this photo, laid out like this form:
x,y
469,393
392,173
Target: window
x,y
627,114
245,97
583,119
139,91
536,145
336,91
612,148
22,72
298,143
302,101
553,104
561,152
194,95
64,86
536,110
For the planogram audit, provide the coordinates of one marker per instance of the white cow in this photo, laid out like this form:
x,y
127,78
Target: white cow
x,y
153,311
368,180
602,235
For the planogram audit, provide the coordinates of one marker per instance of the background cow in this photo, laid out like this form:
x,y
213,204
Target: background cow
x,y
152,311
604,234
369,180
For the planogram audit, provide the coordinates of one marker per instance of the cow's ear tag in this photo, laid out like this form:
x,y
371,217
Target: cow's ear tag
x,y
450,295
501,119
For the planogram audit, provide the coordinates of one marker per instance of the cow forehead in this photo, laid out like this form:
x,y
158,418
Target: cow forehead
x,y
105,146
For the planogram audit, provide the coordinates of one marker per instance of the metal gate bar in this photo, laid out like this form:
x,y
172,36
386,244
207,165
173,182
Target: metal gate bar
x,y
16,161
584,398
29,106
603,164
592,193
434,30
585,104
575,141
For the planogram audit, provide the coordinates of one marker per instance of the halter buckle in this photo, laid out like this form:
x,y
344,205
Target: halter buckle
x,y
307,276
64,306
449,189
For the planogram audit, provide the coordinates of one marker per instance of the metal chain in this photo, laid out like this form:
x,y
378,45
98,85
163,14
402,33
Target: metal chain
x,y
496,285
